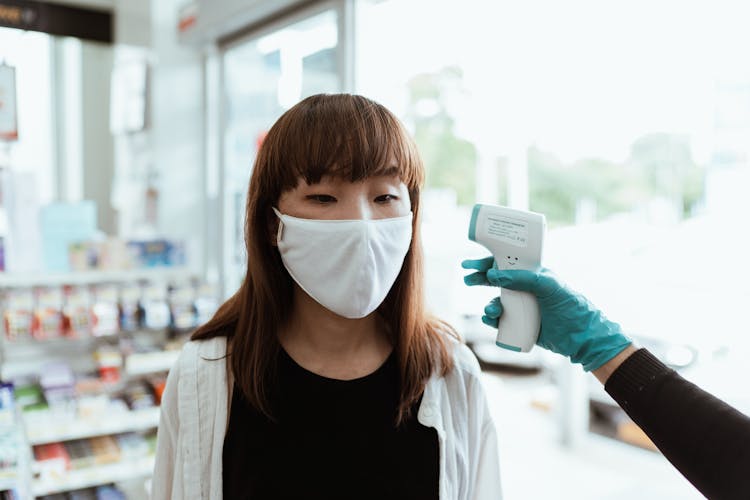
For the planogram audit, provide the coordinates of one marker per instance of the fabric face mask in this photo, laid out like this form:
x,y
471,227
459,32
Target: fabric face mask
x,y
347,266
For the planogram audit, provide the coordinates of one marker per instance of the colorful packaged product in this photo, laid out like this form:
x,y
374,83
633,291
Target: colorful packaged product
x,y
80,453
105,311
182,308
18,314
130,307
156,313
77,318
52,460
109,364
105,449
48,317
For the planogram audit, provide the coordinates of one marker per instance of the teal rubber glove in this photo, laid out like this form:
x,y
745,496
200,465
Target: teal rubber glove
x,y
571,325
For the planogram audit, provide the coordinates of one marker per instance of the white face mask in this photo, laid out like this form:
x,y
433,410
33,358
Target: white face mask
x,y
347,266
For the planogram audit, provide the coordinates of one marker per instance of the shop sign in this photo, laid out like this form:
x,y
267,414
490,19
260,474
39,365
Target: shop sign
x,y
57,19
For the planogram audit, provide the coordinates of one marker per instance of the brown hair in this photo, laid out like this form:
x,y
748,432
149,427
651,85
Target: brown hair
x,y
354,138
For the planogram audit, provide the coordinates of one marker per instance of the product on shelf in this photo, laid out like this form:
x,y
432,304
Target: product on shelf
x,y
2,254
48,319
108,254
29,396
108,363
94,405
206,303
139,396
81,257
182,307
81,454
156,314
52,460
18,314
155,253
132,445
130,307
105,450
58,384
105,311
77,318
158,384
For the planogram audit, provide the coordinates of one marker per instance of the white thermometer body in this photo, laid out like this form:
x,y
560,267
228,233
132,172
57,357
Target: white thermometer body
x,y
516,240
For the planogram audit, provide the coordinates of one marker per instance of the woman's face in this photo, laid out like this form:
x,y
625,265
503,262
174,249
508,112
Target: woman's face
x,y
379,197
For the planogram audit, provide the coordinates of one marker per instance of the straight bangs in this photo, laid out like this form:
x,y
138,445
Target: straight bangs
x,y
341,135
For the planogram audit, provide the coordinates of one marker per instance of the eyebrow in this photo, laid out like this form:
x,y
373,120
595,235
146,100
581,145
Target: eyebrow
x,y
391,171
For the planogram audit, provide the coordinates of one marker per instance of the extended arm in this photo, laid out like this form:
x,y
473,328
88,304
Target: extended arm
x,y
707,440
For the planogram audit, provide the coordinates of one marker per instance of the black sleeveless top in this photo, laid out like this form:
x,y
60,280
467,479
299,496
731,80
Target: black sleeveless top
x,y
332,439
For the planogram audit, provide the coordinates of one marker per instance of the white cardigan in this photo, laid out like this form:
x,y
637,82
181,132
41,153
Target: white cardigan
x,y
194,418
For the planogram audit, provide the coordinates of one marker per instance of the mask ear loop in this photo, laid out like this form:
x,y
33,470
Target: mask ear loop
x,y
281,225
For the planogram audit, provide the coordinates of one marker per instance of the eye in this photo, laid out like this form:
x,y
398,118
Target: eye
x,y
385,198
321,198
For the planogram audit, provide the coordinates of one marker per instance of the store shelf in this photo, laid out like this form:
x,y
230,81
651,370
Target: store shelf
x,y
146,363
40,431
94,476
15,280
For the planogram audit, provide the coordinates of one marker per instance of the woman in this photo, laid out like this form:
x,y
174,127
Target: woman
x,y
323,376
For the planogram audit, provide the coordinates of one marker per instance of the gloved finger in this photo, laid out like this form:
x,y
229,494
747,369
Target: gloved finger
x,y
493,322
514,279
541,284
476,279
494,309
479,264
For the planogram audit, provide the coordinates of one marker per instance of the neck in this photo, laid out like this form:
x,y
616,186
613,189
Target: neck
x,y
331,345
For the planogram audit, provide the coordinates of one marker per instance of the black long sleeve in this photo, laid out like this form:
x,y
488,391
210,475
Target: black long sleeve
x,y
707,440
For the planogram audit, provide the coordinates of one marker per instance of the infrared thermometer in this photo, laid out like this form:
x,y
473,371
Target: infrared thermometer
x,y
515,238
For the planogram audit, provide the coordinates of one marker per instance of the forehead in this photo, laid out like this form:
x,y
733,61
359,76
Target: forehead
x,y
337,181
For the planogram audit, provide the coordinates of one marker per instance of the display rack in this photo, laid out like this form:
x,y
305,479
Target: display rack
x,y
43,428
49,430
140,364
17,280
93,476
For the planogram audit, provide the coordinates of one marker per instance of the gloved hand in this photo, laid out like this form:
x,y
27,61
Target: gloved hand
x,y
570,325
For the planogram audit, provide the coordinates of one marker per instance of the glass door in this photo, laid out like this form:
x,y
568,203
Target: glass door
x,y
264,74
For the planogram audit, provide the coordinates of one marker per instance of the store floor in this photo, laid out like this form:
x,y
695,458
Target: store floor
x,y
534,465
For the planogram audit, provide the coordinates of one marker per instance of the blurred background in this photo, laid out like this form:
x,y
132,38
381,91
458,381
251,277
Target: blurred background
x,y
128,130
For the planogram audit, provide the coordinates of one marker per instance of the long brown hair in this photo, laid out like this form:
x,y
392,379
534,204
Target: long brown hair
x,y
354,138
